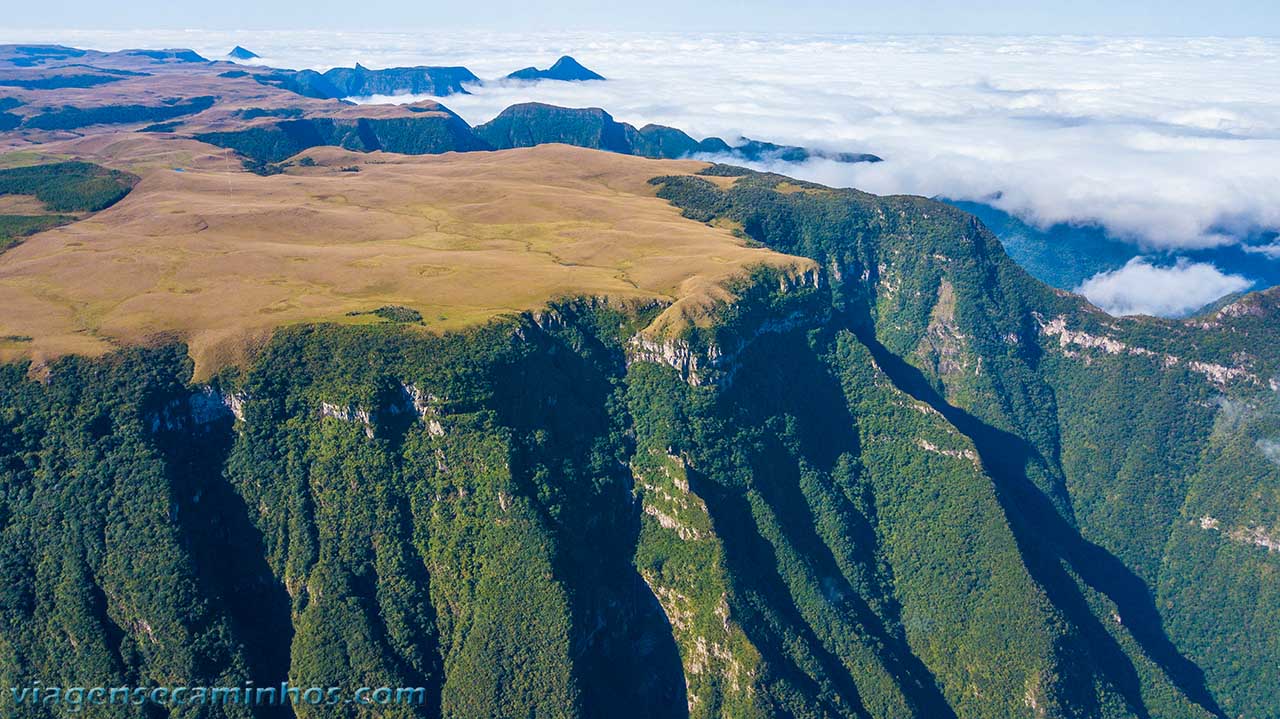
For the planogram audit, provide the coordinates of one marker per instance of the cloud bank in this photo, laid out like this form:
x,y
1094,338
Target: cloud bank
x,y
1172,144
1270,449
1143,288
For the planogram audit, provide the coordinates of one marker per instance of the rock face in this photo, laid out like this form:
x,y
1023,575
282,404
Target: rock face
x,y
240,53
933,488
566,69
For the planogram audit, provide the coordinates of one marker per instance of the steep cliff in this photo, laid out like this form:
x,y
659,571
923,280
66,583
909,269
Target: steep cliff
x,y
916,483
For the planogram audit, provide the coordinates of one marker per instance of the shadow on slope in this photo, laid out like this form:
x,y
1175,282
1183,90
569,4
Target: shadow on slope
x,y
556,400
1047,542
781,375
227,549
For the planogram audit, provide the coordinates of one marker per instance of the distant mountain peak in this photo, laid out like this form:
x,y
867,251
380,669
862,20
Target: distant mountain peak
x,y
240,53
566,69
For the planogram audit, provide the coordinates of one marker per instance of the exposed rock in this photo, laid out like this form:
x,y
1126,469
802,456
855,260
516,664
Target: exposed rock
x,y
1256,536
349,414
1250,535
1217,374
715,365
943,344
968,454
202,407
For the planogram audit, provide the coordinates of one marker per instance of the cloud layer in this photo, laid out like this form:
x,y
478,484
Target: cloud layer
x,y
1143,288
1170,143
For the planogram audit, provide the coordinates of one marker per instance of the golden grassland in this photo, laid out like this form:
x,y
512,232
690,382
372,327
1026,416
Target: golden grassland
x,y
219,257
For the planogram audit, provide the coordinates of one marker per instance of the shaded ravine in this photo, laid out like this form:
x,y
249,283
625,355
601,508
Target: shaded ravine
x,y
618,619
792,378
227,550
1047,541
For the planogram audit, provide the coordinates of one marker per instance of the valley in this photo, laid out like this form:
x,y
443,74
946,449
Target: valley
x,y
555,425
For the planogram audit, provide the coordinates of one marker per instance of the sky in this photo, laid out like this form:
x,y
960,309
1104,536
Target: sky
x,y
1170,144
1055,17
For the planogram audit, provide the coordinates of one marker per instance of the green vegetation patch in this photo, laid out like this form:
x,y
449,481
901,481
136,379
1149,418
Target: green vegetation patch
x,y
15,227
275,142
392,313
59,82
719,170
253,113
161,127
69,117
68,186
63,187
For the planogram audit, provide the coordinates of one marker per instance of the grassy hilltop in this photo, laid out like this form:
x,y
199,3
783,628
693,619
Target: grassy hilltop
x,y
559,432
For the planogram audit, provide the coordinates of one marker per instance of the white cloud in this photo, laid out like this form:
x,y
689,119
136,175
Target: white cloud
x,y
1270,449
1173,143
1271,251
1142,288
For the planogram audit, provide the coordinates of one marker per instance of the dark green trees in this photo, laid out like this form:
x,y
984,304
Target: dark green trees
x,y
923,485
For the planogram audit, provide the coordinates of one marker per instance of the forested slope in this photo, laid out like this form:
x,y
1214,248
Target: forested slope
x,y
918,484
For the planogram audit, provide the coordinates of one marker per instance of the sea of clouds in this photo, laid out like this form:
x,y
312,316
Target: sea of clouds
x,y
1171,144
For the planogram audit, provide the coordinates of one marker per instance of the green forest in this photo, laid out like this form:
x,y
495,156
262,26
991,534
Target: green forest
x,y
62,187
901,491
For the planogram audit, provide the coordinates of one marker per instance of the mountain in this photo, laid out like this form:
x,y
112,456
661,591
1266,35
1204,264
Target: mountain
x,y
359,81
807,500
307,83
430,130
549,431
239,53
534,123
566,68
178,55
437,81
760,151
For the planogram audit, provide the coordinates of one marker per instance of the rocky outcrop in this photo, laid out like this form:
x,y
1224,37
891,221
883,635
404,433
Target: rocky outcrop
x,y
349,413
1068,339
203,407
1247,535
408,401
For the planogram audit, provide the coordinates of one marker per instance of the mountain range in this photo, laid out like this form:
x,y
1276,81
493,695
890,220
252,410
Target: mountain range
x,y
359,81
551,431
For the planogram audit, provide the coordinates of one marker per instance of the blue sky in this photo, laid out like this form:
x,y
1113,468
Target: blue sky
x,y
1111,17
